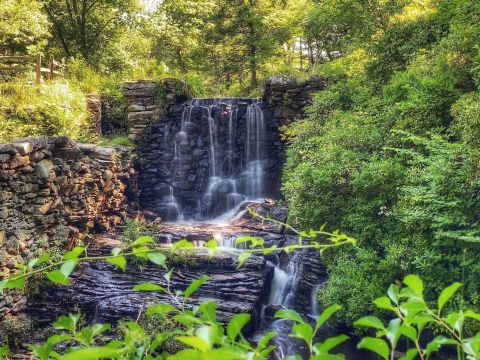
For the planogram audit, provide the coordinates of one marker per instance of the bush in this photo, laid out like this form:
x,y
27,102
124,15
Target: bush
x,y
52,109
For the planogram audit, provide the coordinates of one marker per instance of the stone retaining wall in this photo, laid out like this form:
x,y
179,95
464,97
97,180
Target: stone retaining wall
x,y
54,191
288,98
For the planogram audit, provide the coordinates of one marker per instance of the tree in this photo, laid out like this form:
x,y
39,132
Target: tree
x,y
177,28
24,28
242,38
86,27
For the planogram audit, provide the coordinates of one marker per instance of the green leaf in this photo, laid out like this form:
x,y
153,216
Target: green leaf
x,y
119,261
189,354
446,294
39,261
242,258
393,331
326,315
67,322
472,315
4,351
209,333
161,309
370,321
209,311
68,267
58,277
409,331
415,283
265,340
329,344
289,314
74,253
3,283
92,353
116,251
384,303
437,343
394,293
141,252
410,354
157,258
212,244
302,331
378,346
236,324
148,287
193,287
194,342
15,284
182,245
141,241
168,275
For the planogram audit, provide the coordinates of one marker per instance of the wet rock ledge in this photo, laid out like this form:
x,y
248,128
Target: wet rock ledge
x,y
104,294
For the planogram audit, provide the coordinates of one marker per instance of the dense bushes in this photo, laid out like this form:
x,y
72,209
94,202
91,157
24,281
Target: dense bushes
x,y
52,109
390,154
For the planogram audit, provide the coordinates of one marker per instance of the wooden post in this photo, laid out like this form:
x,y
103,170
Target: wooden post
x,y
38,69
50,68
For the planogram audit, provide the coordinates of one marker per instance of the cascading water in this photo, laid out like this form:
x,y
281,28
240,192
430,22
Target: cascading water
x,y
236,136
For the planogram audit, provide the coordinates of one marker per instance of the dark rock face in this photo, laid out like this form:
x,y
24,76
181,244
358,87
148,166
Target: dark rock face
x,y
101,292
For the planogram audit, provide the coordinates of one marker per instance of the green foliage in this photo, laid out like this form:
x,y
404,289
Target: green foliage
x,y
16,37
198,335
389,153
54,109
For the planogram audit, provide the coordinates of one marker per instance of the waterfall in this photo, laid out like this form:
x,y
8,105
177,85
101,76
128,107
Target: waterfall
x,y
236,155
284,284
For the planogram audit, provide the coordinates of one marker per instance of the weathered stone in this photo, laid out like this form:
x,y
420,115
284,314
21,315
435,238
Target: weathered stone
x,y
24,148
43,169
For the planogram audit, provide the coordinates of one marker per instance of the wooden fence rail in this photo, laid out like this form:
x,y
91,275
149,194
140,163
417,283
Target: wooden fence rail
x,y
28,63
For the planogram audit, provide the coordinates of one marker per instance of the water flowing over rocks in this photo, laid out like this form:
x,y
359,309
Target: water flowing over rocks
x,y
200,165
104,294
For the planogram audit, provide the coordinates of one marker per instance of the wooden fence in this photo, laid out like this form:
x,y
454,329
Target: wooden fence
x,y
32,63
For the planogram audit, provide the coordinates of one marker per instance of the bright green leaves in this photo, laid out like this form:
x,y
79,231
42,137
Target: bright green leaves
x,y
446,294
148,287
288,314
304,331
142,241
58,277
75,253
195,285
252,241
161,309
370,321
242,258
413,315
61,276
236,325
157,258
384,303
415,284
378,346
68,323
322,349
38,261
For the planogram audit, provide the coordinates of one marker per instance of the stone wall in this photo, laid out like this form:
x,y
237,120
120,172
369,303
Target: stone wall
x,y
286,100
54,191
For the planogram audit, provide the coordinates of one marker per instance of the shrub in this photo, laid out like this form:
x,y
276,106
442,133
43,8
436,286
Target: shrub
x,y
52,109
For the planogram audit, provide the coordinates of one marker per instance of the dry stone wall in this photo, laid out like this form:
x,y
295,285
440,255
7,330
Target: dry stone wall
x,y
53,191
